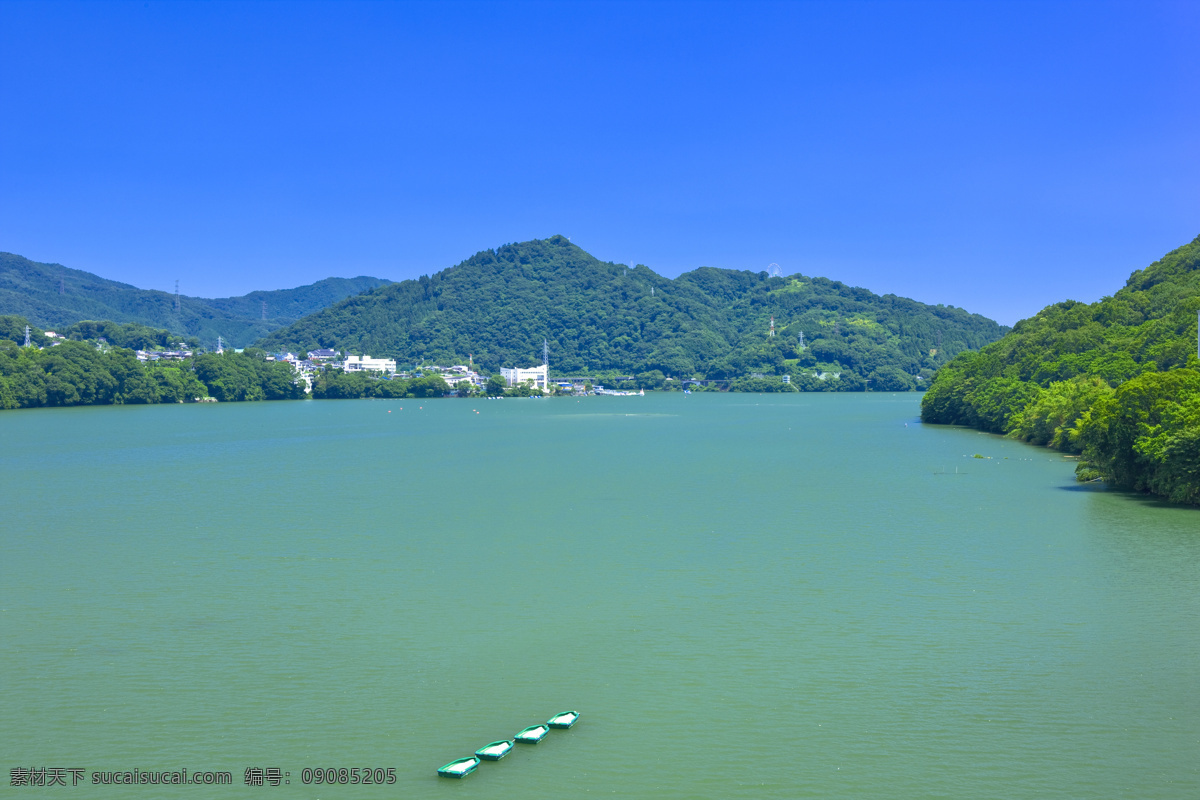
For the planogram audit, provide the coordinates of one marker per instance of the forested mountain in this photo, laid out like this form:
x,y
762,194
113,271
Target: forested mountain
x,y
1117,381
53,296
500,304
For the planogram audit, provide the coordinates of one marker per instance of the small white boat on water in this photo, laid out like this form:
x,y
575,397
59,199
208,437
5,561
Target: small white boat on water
x,y
533,734
563,719
459,767
495,751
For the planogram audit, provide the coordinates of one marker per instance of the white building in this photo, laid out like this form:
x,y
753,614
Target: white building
x,y
460,373
368,364
539,376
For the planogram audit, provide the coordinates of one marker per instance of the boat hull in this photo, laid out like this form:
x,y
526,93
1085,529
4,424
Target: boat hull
x,y
495,751
459,768
563,719
533,734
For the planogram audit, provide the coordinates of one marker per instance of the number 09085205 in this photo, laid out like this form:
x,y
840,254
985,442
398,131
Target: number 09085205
x,y
352,775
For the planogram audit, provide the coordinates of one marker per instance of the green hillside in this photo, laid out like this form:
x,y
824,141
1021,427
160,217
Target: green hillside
x,y
1116,381
597,316
54,296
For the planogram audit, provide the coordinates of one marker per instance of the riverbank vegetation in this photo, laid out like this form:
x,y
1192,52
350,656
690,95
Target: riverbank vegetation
x,y
334,384
96,372
1116,381
88,369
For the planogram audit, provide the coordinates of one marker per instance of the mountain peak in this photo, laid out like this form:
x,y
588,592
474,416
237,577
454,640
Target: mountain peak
x,y
499,305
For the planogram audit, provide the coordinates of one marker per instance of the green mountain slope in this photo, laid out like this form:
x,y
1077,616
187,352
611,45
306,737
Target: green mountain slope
x,y
499,304
1115,380
51,295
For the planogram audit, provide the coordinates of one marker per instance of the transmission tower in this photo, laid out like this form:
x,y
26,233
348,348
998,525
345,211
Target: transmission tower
x,y
801,340
220,346
545,354
27,342
177,295
772,327
62,287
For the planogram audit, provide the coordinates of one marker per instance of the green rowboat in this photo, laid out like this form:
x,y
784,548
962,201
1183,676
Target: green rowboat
x,y
533,734
563,719
495,751
459,767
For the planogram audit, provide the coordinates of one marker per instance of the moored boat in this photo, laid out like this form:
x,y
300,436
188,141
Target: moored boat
x,y
495,751
563,719
533,734
459,767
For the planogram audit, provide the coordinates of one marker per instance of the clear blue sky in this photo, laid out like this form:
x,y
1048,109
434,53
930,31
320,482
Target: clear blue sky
x,y
994,156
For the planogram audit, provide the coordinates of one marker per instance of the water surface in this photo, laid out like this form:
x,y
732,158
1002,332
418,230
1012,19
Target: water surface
x,y
746,596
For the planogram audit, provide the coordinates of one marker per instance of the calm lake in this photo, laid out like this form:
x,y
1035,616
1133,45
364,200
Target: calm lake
x,y
745,596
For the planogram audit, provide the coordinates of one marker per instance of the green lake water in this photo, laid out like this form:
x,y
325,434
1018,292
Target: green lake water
x,y
745,596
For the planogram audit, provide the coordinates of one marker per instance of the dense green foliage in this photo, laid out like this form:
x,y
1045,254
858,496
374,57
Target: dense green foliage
x,y
77,373
129,334
333,384
98,373
234,377
54,296
12,328
500,304
1115,381
1146,436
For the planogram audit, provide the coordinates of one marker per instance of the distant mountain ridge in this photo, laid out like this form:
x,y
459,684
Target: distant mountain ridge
x,y
51,295
499,305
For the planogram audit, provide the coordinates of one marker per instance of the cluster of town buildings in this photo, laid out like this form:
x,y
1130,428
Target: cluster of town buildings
x,y
384,367
309,364
314,361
